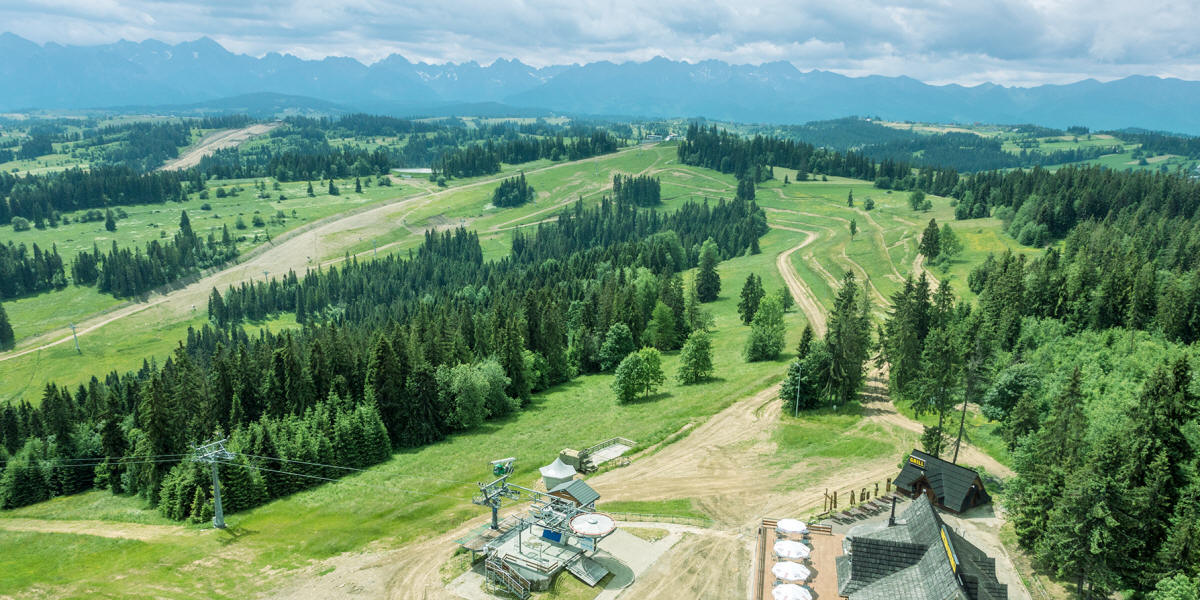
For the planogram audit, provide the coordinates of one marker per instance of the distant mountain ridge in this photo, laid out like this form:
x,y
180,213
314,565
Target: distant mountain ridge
x,y
152,73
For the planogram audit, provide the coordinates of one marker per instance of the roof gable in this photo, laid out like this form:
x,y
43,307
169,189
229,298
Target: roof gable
x,y
579,490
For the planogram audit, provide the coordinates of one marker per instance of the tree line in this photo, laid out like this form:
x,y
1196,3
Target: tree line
x,y
123,272
41,198
751,159
23,272
484,159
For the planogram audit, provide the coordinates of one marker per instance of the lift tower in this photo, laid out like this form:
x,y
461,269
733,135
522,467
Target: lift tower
x,y
492,494
213,453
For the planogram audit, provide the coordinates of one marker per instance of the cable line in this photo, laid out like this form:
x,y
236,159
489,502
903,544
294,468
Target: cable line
x,y
379,487
301,462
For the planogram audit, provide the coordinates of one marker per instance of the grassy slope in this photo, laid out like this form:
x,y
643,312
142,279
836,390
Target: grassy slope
x,y
371,510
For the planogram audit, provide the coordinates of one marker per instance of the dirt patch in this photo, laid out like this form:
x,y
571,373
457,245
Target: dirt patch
x,y
699,566
217,140
107,529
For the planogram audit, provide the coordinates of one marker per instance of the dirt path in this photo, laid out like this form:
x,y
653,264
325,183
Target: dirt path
x,y
804,297
108,529
217,140
296,250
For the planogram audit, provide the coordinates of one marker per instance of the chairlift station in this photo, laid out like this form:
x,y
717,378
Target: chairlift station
x,y
560,530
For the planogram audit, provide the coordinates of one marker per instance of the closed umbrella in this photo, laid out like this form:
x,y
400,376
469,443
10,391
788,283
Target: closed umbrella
x,y
791,526
790,571
790,591
791,549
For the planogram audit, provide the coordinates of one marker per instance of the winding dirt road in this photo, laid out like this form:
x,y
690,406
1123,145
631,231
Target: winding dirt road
x,y
295,250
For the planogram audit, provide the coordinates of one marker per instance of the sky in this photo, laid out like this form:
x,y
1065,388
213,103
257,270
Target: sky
x,y
1011,42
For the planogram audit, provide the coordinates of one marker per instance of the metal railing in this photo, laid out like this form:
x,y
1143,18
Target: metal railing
x,y
644,517
515,583
610,442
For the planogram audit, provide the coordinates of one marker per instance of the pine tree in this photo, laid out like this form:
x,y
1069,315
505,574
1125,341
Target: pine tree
x,y
949,244
853,228
930,245
850,199
708,282
357,186
333,189
7,339
848,340
752,295
806,340
311,193
695,360
110,222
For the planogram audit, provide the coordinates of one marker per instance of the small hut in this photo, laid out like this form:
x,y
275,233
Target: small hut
x,y
949,486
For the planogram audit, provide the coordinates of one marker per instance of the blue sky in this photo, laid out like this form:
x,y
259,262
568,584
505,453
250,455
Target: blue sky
x,y
1016,42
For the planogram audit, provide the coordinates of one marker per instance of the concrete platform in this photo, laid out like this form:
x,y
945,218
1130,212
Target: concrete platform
x,y
622,553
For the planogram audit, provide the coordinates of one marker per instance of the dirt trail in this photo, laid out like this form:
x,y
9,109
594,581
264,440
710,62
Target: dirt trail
x,y
804,297
108,529
295,250
217,140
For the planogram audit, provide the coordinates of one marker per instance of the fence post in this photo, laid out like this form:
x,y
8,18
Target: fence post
x,y
888,485
851,497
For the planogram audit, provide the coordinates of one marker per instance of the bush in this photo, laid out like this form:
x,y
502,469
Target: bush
x,y
20,224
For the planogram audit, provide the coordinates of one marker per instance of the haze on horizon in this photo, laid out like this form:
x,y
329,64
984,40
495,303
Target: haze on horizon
x,y
1010,42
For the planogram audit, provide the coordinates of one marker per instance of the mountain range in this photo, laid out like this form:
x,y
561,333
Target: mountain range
x,y
155,74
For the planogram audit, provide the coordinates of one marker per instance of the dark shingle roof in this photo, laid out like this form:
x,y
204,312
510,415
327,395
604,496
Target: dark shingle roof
x,y
577,489
951,483
914,565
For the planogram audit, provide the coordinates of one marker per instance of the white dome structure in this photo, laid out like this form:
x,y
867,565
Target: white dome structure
x,y
557,473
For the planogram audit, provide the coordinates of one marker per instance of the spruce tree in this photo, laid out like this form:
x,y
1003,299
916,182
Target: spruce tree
x,y
848,339
110,222
806,340
708,282
930,245
311,193
752,295
662,327
850,199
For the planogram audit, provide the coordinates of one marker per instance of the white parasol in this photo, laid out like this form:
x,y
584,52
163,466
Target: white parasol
x,y
791,549
790,571
790,591
791,526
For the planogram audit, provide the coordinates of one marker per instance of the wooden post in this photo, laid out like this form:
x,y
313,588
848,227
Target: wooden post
x,y
888,485
851,497
876,489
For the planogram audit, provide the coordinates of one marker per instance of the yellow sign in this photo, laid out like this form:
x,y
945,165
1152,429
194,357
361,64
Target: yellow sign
x,y
949,550
916,461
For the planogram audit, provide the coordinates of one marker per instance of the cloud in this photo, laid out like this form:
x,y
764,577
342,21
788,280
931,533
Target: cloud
x,y
1008,41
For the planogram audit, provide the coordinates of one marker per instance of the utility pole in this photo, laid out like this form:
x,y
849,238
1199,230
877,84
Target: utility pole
x,y
796,411
76,338
212,453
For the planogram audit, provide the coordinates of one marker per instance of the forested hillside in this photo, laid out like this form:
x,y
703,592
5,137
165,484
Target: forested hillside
x,y
1085,356
396,352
